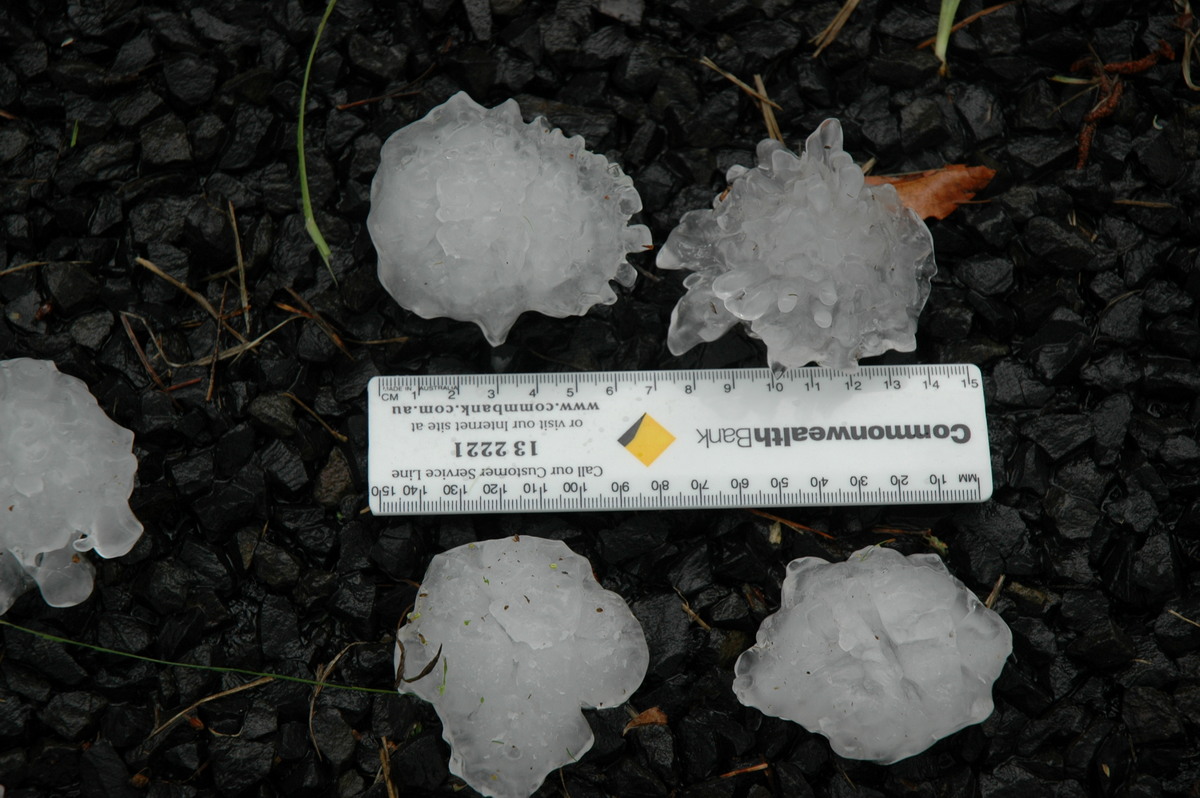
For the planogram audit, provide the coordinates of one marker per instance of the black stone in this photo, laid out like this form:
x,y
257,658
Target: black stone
x,y
275,566
1058,349
1074,517
1060,246
1059,434
231,502
73,714
988,276
194,474
238,764
278,629
284,466
1015,385
993,539
422,763
334,737
668,632
14,713
276,412
72,286
190,79
1150,717
1111,372
103,773
250,128
165,143
904,68
1104,647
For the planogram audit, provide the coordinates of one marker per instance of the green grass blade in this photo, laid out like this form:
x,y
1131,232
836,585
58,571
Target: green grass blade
x,y
310,221
194,666
945,23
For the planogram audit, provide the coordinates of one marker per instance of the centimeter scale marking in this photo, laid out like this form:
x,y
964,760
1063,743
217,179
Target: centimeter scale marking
x,y
653,440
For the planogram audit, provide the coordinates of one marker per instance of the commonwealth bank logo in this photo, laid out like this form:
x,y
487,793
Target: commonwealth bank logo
x,y
646,439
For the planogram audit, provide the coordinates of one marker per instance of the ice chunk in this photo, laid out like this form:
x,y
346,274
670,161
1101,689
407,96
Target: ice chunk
x,y
818,265
883,654
527,637
480,217
66,472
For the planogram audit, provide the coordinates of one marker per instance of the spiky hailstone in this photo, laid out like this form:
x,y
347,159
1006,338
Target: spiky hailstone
x,y
480,217
66,472
818,265
527,637
883,654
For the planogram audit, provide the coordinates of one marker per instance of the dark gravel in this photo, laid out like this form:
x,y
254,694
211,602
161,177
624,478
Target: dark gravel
x,y
129,130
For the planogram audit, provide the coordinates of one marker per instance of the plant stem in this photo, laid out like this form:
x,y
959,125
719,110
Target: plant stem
x,y
945,26
310,221
194,666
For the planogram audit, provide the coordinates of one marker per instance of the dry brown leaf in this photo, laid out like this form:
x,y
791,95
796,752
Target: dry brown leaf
x,y
934,194
650,717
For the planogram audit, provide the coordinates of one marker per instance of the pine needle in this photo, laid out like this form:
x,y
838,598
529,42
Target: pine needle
x,y
827,36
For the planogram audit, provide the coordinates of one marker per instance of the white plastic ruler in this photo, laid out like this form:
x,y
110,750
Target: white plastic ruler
x,y
651,440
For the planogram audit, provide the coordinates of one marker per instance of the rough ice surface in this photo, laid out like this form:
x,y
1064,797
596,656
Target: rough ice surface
x,y
527,637
480,217
66,472
883,654
818,265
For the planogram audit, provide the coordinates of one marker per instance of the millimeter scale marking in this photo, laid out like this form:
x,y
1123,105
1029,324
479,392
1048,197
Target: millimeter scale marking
x,y
654,440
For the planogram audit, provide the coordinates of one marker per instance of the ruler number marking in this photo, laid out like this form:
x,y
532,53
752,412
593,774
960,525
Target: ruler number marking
x,y
624,487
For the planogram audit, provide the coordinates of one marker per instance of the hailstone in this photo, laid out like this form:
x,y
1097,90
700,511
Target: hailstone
x,y
883,654
479,217
66,472
811,260
527,637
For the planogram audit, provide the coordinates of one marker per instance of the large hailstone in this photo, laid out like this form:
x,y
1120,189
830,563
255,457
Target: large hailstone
x,y
883,654
66,472
818,265
527,637
480,217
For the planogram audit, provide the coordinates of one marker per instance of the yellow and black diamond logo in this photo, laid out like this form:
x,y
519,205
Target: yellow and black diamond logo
x,y
646,439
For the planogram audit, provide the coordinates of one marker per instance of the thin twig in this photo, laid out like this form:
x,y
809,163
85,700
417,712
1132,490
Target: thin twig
x,y
741,84
223,694
241,267
831,31
325,326
320,420
1183,618
200,300
234,351
403,91
768,115
742,771
1142,203
323,672
22,267
385,766
186,383
223,355
967,21
212,371
691,613
141,353
995,594
792,525
399,339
